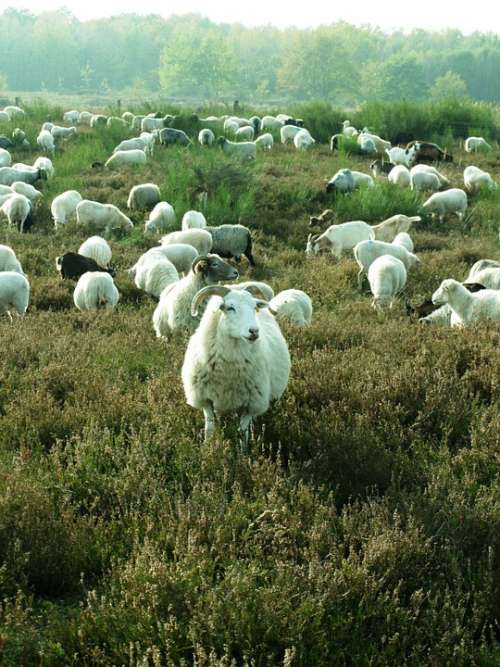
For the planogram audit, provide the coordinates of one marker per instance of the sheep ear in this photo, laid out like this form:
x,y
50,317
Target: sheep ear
x,y
262,304
200,263
256,292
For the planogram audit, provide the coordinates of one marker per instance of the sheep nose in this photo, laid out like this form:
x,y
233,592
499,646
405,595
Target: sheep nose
x,y
254,333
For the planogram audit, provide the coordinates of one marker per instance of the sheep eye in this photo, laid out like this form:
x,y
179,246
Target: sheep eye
x,y
230,309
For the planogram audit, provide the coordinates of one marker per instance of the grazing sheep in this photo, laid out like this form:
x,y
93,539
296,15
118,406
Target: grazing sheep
x,y
288,132
404,240
428,169
231,126
200,239
475,144
126,159
144,197
367,146
237,361
340,238
428,152
102,216
346,180
206,137
148,124
98,249
293,305
46,141
232,241
380,144
475,179
161,218
349,130
400,176
193,220
27,190
98,120
149,140
244,150
14,293
401,156
303,140
467,307
265,141
72,265
17,208
72,116
59,132
271,123
380,168
63,207
387,229
44,164
9,175
181,255
95,289
453,200
9,261
245,133
115,121
131,144
425,182
322,219
84,118
173,312
5,158
387,277
367,252
14,111
170,136
128,117
153,272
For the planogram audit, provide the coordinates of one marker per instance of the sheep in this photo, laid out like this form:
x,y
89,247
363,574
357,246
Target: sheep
x,y
340,238
161,218
271,123
193,220
428,152
467,307
96,248
102,216
44,164
9,261
346,180
424,182
265,140
131,144
288,132
173,312
405,240
453,200
293,305
200,239
72,265
5,190
170,136
428,313
303,140
154,271
14,293
475,144
9,175
380,168
489,277
206,137
14,111
380,144
387,230
255,122
95,289
46,141
181,255
149,140
5,142
231,126
245,133
400,176
64,206
367,146
27,190
400,156
237,360
324,217
387,277
232,241
367,252
244,150
48,126
144,196
480,265
475,179
115,121
349,130
98,120
72,116
255,287
17,208
129,158
4,117
136,123
5,158
428,169
84,118
59,132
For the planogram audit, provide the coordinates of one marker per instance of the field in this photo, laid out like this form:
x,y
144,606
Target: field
x,y
364,526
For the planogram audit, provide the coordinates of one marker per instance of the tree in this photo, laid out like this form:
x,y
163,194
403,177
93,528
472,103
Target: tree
x,y
399,78
449,86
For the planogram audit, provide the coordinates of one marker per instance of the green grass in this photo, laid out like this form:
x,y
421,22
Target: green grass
x,y
363,529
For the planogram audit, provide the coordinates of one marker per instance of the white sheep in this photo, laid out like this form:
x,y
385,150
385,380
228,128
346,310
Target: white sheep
x,y
17,208
271,123
404,240
4,117
48,126
245,133
480,265
231,126
475,179
144,196
206,137
154,271
198,238
59,132
367,252
243,150
400,175
340,238
98,249
237,360
9,261
149,140
293,305
148,124
63,207
380,144
72,116
388,229
181,255
102,216
453,200
193,220
131,144
161,218
14,111
366,145
489,277
129,158
288,132
95,289
14,293
46,141
475,144
265,140
5,158
400,156
467,307
44,164
27,190
387,277
349,130
347,180
429,169
423,181
303,140
84,118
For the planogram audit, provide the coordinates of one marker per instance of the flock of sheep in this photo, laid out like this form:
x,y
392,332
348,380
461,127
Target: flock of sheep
x,y
237,359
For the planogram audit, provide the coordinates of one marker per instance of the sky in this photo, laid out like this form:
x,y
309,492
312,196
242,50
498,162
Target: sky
x,y
386,14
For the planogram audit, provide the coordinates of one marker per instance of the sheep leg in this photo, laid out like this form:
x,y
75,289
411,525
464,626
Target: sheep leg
x,y
209,421
360,279
244,432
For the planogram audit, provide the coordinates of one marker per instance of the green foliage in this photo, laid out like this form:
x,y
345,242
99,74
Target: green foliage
x,y
449,86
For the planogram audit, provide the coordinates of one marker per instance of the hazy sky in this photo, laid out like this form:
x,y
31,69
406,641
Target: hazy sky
x,y
387,14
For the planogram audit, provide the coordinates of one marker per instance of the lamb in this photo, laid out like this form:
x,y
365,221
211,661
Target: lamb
x,y
400,176
401,156
170,136
102,216
129,158
72,266
237,361
98,249
244,150
303,140
387,277
467,307
206,137
59,132
326,216
14,293
46,141
63,207
475,144
232,241
288,132
475,179
17,208
265,140
72,116
144,196
340,238
428,169
161,218
426,151
428,313
404,239
27,190
245,133
200,239
347,180
154,271
44,164
425,182
367,252
95,290
5,158
387,230
293,305
193,220
9,261
453,200
131,144
173,312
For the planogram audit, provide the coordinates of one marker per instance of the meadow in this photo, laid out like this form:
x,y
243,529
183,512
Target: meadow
x,y
364,527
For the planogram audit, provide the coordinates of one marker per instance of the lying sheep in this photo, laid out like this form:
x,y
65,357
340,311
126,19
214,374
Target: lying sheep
x,y
17,209
400,176
388,229
63,207
489,277
154,271
232,241
143,197
475,144
72,265
467,307
200,239
14,293
193,220
293,305
475,179
265,140
95,289
367,252
206,137
98,249
387,277
9,261
404,239
480,265
244,150
129,158
450,201
102,216
340,238
161,219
